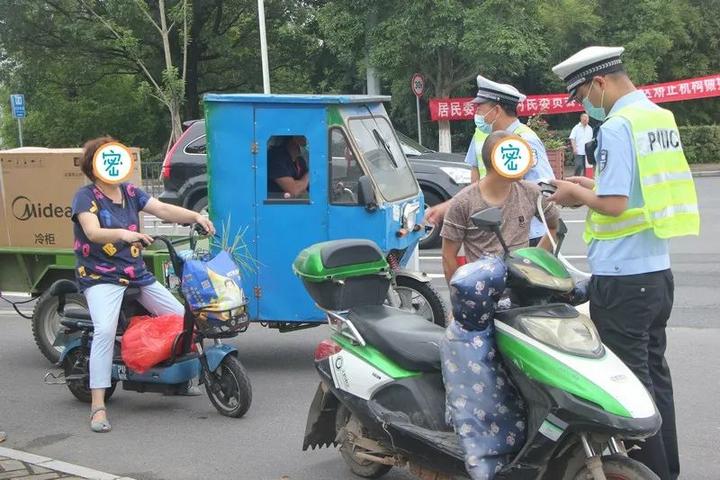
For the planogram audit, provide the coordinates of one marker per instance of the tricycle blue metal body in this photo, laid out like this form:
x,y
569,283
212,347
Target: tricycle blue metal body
x,y
360,186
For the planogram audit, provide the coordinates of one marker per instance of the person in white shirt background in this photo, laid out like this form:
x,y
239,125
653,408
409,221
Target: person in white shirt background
x,y
581,134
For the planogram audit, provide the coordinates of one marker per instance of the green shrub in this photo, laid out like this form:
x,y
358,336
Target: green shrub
x,y
701,143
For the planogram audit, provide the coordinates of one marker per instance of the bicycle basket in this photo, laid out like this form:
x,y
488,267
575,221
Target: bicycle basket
x,y
214,293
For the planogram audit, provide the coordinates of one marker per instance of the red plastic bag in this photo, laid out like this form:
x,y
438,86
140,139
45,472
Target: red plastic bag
x,y
149,340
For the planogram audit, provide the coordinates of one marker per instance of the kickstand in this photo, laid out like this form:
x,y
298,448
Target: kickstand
x,y
51,378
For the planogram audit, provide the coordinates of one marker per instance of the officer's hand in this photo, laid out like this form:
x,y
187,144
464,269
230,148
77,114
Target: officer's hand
x,y
566,193
585,182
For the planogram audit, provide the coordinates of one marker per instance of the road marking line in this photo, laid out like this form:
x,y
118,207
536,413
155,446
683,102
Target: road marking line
x,y
574,221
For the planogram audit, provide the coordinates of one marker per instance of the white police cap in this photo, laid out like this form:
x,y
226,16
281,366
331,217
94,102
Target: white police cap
x,y
489,91
588,62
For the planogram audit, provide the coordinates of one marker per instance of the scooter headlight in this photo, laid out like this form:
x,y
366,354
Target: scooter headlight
x,y
576,335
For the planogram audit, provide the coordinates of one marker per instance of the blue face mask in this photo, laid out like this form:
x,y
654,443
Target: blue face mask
x,y
482,125
598,113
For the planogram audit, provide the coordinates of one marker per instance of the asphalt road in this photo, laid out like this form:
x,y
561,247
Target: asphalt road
x,y
156,437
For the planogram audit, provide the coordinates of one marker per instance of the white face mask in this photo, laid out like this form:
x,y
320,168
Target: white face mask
x,y
598,113
482,124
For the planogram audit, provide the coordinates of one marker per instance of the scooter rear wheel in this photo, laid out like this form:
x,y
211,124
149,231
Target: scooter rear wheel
x,y
359,466
230,391
619,467
77,363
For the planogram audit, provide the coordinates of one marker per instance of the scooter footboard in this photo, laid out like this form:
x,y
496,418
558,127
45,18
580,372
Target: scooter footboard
x,y
182,370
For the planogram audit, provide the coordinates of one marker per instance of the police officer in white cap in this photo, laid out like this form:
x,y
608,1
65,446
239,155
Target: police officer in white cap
x,y
643,195
496,110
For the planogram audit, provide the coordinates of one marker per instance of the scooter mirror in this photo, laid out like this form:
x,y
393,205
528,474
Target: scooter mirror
x,y
489,219
366,193
562,228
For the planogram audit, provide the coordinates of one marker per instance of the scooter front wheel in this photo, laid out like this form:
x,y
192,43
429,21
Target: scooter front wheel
x,y
619,467
229,388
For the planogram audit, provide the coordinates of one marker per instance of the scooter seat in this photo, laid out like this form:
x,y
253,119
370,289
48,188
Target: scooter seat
x,y
406,338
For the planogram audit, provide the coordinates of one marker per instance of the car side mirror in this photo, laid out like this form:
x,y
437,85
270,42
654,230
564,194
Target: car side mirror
x,y
366,193
488,220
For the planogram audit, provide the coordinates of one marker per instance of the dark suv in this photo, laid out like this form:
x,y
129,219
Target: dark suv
x,y
184,173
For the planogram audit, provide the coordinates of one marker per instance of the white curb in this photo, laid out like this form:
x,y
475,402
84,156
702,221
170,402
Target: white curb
x,y
57,465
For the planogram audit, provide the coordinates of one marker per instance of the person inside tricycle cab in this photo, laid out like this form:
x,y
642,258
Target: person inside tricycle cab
x,y
288,167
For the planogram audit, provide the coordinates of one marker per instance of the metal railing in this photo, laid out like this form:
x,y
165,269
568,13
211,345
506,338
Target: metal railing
x,y
151,181
152,184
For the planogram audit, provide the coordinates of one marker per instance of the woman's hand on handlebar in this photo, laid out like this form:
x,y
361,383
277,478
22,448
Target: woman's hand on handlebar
x,y
205,223
128,236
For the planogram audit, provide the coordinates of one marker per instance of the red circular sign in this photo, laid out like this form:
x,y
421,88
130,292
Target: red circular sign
x,y
417,84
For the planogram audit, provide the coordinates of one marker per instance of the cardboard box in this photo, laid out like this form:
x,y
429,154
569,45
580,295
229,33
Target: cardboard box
x,y
38,186
4,240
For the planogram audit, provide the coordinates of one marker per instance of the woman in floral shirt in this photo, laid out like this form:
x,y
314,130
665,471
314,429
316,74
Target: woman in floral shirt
x,y
108,247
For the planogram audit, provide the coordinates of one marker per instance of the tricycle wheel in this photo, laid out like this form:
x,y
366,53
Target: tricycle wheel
x,y
46,322
230,391
77,364
421,298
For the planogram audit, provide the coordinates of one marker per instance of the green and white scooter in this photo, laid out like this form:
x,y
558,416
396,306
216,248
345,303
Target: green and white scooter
x,y
382,400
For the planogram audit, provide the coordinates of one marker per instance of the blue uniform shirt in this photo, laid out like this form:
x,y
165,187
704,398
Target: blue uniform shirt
x,y
540,171
617,174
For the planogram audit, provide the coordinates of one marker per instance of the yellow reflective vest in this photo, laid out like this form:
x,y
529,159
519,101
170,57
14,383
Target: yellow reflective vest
x,y
479,138
670,203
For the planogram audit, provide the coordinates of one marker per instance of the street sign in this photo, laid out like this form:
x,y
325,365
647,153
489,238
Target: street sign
x,y
417,84
17,105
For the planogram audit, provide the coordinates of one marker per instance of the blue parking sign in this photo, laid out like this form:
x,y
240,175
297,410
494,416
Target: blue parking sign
x,y
17,105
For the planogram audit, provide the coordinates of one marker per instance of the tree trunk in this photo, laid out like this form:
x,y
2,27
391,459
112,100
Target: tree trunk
x,y
192,107
444,137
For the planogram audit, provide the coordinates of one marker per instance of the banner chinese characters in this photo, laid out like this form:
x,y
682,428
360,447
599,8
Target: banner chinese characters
x,y
551,104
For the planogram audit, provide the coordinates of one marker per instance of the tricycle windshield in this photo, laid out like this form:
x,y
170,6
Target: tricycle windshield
x,y
383,157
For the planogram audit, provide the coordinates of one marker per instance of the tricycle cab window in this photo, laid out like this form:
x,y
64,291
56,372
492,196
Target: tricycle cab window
x,y
345,170
383,157
287,168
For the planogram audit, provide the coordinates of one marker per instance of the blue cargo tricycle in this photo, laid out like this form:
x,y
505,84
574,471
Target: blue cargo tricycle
x,y
358,185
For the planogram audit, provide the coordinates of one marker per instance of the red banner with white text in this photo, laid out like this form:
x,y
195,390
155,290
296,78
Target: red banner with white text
x,y
550,104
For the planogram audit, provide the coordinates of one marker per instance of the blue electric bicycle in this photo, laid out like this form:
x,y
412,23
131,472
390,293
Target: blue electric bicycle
x,y
217,365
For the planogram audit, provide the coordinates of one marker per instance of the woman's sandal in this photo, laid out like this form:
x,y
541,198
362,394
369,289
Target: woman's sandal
x,y
99,426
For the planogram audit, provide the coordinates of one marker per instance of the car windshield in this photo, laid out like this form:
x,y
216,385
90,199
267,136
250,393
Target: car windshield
x,y
410,146
384,158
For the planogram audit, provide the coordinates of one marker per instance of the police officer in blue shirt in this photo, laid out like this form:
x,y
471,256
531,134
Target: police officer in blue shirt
x,y
495,110
635,206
